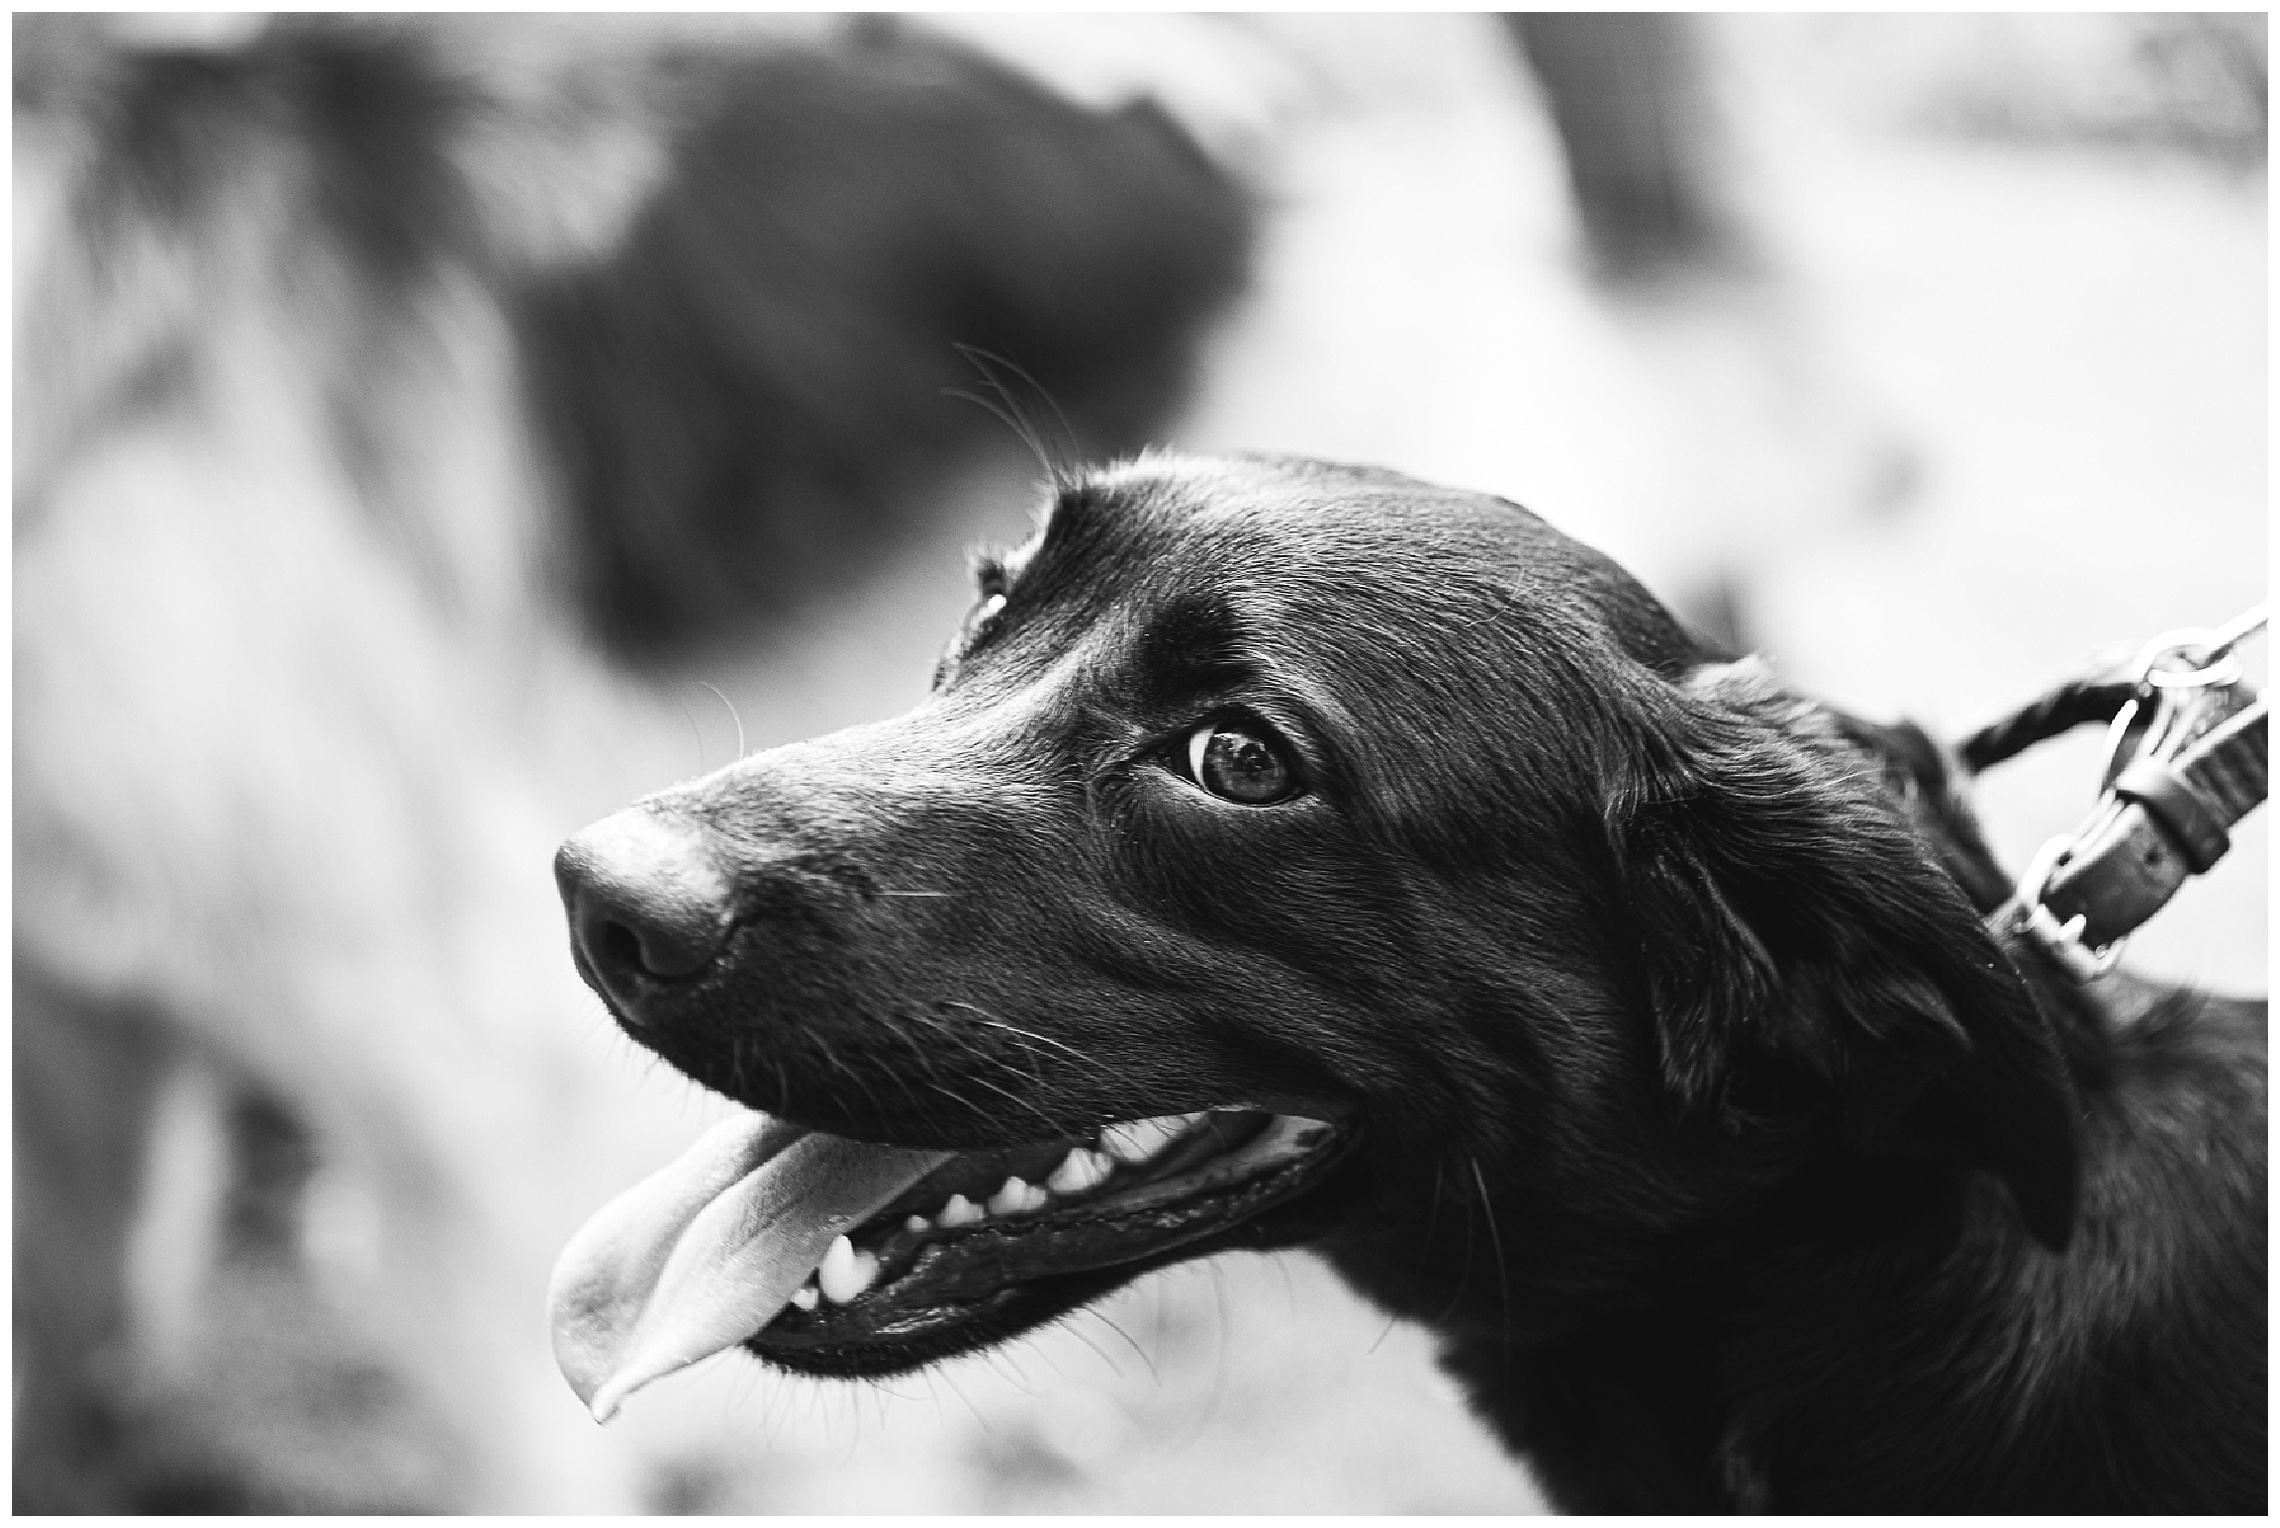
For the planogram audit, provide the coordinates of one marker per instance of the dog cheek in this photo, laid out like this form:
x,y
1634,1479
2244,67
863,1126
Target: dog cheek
x,y
1281,879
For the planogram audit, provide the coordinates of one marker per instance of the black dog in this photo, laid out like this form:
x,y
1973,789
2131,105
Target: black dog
x,y
1416,891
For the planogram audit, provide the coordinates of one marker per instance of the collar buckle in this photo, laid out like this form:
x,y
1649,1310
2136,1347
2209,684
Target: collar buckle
x,y
2062,942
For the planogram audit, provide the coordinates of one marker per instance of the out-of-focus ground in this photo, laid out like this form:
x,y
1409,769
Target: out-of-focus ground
x,y
1998,404
1992,399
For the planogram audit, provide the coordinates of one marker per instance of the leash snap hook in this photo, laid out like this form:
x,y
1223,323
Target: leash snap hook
x,y
2211,662
2061,941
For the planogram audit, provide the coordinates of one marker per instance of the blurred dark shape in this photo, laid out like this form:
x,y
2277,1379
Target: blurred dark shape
x,y
292,1418
731,281
83,1082
783,322
749,387
781,325
1626,91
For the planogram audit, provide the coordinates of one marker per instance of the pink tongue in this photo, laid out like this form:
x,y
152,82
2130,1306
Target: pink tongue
x,y
700,1256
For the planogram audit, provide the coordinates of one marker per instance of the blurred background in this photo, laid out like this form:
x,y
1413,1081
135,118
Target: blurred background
x,y
432,432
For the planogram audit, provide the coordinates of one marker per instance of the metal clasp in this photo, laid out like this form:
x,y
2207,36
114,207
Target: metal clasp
x,y
2061,941
2212,662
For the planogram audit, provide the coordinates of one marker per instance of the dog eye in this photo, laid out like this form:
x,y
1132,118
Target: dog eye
x,y
1241,761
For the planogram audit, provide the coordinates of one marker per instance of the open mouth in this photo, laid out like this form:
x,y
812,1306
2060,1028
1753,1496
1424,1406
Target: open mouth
x,y
981,1226
835,1256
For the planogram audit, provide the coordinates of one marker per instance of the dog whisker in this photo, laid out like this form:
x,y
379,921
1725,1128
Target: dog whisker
x,y
1720,905
1019,427
1070,1324
1052,1125
929,1070
733,716
951,1380
950,1037
1503,1274
696,733
861,1081
1057,475
1464,1259
1144,1355
1030,1035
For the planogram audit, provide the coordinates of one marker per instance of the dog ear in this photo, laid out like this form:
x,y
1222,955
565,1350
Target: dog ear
x,y
1787,912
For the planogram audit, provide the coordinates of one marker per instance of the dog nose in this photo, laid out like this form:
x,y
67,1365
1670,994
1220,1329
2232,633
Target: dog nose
x,y
646,903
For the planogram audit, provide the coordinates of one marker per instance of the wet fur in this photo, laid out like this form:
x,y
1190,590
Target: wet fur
x,y
1738,1165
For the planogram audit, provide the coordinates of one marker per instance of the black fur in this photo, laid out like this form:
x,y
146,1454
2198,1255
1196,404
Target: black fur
x,y
1736,1162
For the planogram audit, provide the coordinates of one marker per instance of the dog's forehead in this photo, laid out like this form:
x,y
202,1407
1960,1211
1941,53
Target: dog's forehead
x,y
1255,489
1165,506
1122,545
1337,545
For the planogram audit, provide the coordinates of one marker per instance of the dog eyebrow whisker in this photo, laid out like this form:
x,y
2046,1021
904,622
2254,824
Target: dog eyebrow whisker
x,y
1057,476
1013,419
733,716
696,732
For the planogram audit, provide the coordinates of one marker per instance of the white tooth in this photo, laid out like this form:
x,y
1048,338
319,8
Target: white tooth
x,y
846,1272
837,1276
961,1211
1137,1140
1129,1144
1012,1198
806,1296
1079,1170
917,1223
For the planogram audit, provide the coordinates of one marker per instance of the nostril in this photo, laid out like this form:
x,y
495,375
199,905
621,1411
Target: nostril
x,y
646,905
615,945
617,942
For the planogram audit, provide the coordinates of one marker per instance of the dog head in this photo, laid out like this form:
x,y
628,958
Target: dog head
x,y
1288,853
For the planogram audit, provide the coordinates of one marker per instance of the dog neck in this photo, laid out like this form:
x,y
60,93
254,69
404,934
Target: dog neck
x,y
1928,781
1897,1306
